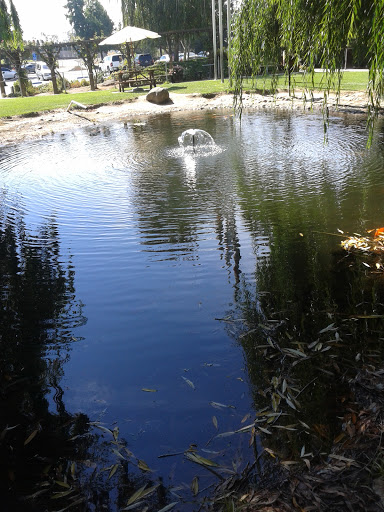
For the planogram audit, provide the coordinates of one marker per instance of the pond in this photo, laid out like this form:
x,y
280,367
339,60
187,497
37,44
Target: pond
x,y
137,281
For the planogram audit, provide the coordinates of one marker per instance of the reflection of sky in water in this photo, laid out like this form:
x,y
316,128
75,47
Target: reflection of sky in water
x,y
160,242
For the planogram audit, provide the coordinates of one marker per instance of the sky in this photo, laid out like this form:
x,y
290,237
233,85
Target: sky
x,y
38,17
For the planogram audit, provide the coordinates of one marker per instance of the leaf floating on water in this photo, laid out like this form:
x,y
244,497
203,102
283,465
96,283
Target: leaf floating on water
x,y
189,382
132,507
339,230
62,484
136,495
225,434
266,431
143,491
214,421
31,436
217,405
366,264
143,465
290,403
301,234
244,429
289,462
116,452
271,452
57,495
246,417
168,507
149,390
195,485
115,433
194,457
379,232
113,470
104,429
326,329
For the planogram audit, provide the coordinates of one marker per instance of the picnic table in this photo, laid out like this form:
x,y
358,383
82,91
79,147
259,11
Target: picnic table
x,y
135,78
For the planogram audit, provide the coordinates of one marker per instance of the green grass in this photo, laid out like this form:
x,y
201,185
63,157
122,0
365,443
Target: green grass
x,y
352,81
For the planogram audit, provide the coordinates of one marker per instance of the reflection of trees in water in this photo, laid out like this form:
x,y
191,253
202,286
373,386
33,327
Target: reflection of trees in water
x,y
45,454
300,288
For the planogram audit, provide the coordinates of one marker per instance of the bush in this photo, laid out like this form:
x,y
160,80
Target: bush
x,y
84,83
30,89
74,84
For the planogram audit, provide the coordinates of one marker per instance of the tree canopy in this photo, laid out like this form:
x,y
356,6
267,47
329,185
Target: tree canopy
x,y
166,15
311,33
89,18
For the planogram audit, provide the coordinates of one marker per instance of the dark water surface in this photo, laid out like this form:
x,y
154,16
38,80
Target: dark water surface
x,y
127,265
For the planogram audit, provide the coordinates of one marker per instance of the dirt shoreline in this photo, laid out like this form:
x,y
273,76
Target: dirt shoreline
x,y
18,128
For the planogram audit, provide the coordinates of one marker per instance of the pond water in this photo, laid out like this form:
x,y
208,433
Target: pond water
x,y
132,272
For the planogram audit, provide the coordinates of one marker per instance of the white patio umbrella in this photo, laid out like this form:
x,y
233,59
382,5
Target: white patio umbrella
x,y
129,35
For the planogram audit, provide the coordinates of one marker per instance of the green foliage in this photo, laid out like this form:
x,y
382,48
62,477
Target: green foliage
x,y
74,84
29,88
89,18
168,15
310,33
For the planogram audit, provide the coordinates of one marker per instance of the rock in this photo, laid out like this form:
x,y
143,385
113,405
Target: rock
x,y
158,95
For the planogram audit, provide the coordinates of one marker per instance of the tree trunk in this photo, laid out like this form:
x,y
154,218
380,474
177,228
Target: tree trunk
x,y
89,64
20,72
169,43
2,84
54,81
177,45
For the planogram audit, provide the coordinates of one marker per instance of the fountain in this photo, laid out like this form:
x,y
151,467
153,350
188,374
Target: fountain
x,y
194,140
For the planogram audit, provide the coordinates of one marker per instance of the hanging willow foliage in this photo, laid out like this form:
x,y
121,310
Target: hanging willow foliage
x,y
310,33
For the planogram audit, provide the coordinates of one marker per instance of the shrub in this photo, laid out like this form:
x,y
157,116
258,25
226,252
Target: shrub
x,y
84,83
30,89
74,84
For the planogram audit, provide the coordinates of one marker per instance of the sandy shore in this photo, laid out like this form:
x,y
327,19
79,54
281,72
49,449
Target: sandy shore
x,y
16,129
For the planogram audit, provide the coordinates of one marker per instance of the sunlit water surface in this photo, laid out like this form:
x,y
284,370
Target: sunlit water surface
x,y
160,246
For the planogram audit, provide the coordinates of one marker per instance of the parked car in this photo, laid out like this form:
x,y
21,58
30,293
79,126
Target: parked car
x,y
8,74
42,71
111,63
144,60
164,58
190,55
30,67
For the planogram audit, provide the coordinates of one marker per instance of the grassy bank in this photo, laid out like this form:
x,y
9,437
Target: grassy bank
x,y
351,81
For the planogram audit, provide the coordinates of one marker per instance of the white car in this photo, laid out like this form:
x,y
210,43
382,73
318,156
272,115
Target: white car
x,y
8,74
164,58
42,71
111,63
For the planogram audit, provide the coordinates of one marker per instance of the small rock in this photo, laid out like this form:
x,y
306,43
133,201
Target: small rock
x,y
158,95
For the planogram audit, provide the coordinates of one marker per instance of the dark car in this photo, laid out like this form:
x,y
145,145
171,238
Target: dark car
x,y
144,60
29,68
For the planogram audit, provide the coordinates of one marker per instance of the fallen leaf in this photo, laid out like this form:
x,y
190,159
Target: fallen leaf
x,y
31,436
142,465
189,382
195,485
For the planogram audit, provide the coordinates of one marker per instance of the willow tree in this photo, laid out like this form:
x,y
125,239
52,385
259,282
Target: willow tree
x,y
310,33
167,16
